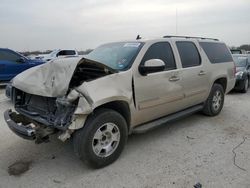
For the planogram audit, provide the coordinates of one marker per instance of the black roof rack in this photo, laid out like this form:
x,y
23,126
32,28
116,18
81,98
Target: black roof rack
x,y
188,37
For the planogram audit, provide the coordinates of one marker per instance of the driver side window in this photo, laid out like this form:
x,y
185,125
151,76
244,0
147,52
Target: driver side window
x,y
162,51
9,56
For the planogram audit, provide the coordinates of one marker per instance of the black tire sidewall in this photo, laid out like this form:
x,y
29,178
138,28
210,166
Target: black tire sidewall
x,y
244,88
216,87
85,138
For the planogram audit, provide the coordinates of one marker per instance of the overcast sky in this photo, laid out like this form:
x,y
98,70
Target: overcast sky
x,y
82,24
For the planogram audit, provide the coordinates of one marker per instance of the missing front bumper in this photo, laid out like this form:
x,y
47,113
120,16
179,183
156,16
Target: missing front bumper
x,y
19,125
26,128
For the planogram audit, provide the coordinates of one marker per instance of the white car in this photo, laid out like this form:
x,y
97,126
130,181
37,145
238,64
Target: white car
x,y
57,53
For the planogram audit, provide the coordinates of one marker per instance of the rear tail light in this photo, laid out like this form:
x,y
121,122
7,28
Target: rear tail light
x,y
234,70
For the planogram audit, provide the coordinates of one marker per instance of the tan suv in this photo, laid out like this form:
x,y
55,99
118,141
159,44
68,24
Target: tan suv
x,y
118,89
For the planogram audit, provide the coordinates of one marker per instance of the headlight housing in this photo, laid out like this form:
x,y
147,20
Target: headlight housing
x,y
239,74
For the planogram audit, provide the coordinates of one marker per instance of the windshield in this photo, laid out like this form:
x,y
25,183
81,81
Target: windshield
x,y
118,56
53,53
240,61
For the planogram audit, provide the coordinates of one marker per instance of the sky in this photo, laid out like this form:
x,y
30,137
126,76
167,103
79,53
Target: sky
x,y
27,25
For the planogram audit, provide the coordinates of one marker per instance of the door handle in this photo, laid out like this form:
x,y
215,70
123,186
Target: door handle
x,y
174,78
201,73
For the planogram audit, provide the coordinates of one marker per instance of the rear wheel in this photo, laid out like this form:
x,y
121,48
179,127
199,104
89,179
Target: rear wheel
x,y
246,85
215,101
102,139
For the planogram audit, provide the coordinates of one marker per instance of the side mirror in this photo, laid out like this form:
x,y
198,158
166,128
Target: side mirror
x,y
20,60
151,66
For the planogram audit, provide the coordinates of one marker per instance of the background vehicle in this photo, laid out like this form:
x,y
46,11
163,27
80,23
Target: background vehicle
x,y
57,53
238,51
242,63
119,89
13,63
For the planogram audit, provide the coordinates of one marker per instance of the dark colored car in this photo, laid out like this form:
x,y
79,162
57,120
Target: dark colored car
x,y
242,62
13,63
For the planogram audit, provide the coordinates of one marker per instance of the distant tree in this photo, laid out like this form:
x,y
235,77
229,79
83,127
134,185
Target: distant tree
x,y
36,52
27,53
245,47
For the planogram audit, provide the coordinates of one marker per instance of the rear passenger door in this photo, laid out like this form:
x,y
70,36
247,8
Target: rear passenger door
x,y
194,71
158,93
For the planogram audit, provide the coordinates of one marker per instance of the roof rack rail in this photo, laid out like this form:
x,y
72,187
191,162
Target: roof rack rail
x,y
188,37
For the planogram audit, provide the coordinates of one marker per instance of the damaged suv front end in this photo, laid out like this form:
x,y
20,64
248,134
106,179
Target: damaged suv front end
x,y
47,101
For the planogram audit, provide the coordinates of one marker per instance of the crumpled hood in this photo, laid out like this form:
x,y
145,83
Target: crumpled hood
x,y
51,79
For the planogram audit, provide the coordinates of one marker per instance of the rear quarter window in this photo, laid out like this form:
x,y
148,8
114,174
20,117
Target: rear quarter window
x,y
216,52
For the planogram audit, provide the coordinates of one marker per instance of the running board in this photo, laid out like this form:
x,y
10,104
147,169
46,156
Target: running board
x,y
162,121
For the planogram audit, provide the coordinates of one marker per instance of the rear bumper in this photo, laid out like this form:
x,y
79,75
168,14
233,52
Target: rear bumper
x,y
19,125
230,84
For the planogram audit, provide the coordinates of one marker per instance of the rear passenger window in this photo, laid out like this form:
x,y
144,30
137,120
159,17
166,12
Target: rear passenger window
x,y
162,51
189,54
216,52
66,52
70,52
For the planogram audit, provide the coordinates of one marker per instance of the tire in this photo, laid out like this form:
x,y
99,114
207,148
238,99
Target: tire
x,y
104,130
246,85
213,104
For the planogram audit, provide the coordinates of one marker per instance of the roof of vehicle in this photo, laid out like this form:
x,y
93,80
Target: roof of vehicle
x,y
7,49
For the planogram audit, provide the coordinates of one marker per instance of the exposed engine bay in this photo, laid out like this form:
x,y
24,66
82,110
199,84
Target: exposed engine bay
x,y
88,71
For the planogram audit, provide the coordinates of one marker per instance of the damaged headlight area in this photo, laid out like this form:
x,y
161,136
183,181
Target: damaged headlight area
x,y
49,111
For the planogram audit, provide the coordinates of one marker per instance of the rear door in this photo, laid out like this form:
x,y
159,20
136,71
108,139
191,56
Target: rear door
x,y
160,93
194,71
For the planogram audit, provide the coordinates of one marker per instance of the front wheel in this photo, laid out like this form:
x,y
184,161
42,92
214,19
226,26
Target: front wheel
x,y
102,139
215,101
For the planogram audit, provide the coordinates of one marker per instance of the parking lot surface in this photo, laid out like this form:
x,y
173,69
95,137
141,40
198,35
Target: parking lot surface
x,y
214,152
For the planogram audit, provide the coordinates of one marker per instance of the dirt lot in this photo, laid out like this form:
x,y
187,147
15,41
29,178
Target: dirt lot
x,y
181,154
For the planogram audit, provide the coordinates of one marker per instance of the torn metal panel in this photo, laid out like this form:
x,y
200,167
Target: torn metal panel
x,y
49,80
78,122
54,78
67,91
113,87
83,106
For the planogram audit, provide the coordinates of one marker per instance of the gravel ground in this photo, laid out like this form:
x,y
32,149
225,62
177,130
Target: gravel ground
x,y
181,154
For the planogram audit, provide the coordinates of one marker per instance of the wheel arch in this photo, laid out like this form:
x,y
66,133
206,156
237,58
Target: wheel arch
x,y
119,106
222,81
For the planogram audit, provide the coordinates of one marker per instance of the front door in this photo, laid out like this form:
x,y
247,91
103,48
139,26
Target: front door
x,y
158,93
